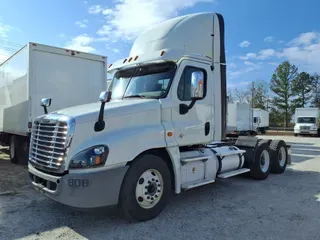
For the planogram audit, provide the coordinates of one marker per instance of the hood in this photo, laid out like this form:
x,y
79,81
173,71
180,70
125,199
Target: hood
x,y
88,112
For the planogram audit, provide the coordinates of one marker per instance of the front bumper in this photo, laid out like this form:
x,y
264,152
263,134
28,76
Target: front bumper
x,y
300,131
81,190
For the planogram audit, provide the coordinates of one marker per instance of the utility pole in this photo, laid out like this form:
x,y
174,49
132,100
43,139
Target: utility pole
x,y
252,96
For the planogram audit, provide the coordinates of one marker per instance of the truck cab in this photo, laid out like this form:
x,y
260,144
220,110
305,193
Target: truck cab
x,y
307,121
160,127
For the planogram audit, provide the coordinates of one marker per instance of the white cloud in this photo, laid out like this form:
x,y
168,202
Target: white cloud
x,y
305,39
303,51
262,55
3,55
238,84
129,17
107,11
248,56
105,30
251,64
62,35
85,2
281,41
81,43
82,24
232,65
4,30
269,39
244,44
95,9
115,50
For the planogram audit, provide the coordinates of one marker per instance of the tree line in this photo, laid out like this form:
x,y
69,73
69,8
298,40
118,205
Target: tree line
x,y
287,90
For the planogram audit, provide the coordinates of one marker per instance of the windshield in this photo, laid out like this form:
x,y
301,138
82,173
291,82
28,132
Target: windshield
x,y
149,81
306,120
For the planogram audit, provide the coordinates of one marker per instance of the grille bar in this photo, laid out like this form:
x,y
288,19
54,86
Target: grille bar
x,y
48,143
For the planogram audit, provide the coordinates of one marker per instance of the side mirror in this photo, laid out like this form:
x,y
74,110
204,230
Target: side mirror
x,y
197,92
45,103
105,96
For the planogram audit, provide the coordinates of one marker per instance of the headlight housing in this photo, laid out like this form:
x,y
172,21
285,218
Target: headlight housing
x,y
314,127
92,157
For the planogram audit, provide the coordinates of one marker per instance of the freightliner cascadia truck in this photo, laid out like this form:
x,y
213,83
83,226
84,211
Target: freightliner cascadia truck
x,y
159,129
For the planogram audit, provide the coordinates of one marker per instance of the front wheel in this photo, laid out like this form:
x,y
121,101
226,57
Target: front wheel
x,y
146,188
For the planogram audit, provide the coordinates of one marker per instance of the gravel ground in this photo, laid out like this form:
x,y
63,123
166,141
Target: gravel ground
x,y
284,206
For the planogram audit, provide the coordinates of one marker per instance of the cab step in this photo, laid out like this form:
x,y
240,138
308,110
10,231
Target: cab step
x,y
197,183
234,173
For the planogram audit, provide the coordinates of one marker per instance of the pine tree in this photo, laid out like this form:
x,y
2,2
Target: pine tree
x,y
280,84
302,89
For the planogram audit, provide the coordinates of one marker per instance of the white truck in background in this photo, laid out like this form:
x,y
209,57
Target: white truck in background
x,y
260,120
36,71
307,121
159,129
239,119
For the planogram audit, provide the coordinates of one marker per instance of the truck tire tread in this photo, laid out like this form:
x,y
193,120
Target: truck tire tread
x,y
275,146
128,206
255,169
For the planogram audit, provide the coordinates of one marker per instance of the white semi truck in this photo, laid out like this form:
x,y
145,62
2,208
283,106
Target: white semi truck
x,y
36,71
260,120
307,121
159,129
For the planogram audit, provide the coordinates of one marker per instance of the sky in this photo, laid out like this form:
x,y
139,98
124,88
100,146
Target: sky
x,y
260,34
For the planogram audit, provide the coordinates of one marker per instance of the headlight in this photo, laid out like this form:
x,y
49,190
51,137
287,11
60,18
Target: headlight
x,y
314,127
92,157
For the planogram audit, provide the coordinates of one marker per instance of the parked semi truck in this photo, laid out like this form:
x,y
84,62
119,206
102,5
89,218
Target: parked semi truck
x,y
159,129
36,71
260,120
307,121
239,120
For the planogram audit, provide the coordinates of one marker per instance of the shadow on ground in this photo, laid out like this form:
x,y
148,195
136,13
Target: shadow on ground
x,y
236,204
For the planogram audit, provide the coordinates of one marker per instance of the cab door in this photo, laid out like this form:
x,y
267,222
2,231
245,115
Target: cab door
x,y
192,100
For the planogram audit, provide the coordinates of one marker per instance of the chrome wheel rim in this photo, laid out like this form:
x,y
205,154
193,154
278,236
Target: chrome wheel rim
x,y
149,188
264,161
282,156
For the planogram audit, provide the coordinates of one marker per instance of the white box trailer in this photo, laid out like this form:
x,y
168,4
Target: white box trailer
x,y
239,118
260,120
307,121
37,71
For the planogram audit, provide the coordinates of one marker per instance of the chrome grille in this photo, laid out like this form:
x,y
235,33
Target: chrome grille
x,y
304,127
48,144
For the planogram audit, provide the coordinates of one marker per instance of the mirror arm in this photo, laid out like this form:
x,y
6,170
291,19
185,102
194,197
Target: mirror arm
x,y
45,109
184,109
100,124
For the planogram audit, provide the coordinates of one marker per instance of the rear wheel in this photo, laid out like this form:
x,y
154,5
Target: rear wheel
x,y
146,189
279,156
261,166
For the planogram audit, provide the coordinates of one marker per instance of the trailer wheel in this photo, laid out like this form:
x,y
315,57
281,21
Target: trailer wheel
x,y
146,189
261,166
13,149
279,156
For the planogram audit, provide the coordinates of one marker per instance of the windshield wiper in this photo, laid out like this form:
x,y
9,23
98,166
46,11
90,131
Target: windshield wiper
x,y
133,96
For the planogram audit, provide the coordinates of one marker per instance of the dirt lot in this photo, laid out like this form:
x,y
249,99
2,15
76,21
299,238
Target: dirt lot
x,y
284,206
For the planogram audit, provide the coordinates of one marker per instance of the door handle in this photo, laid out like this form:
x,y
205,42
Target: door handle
x,y
207,128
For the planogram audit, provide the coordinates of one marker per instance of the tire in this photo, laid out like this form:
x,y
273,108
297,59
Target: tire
x,y
296,135
24,151
278,156
261,166
14,145
153,170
